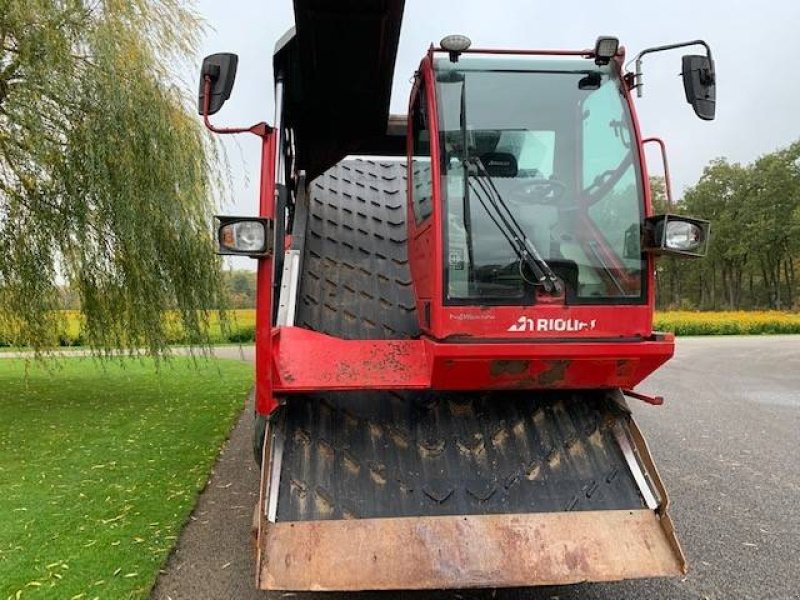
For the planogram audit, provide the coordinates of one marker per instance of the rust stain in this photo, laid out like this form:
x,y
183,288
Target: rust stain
x,y
625,367
498,368
554,373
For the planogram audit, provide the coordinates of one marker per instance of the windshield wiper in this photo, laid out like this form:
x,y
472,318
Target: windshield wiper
x,y
601,261
497,209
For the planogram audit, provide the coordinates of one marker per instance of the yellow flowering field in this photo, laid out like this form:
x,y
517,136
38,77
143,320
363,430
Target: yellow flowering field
x,y
241,328
727,322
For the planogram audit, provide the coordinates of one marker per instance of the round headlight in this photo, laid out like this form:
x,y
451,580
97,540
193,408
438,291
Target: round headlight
x,y
683,236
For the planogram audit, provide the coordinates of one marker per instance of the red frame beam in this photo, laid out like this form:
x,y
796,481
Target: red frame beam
x,y
307,361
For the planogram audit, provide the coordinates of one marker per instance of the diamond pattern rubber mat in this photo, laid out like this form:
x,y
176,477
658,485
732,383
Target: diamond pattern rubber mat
x,y
389,454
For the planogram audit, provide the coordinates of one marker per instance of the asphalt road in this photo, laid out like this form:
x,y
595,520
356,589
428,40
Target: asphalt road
x,y
727,443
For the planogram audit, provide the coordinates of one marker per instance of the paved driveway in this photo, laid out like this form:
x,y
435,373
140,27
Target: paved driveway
x,y
728,446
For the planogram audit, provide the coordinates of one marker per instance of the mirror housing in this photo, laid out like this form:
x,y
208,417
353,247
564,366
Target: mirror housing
x,y
244,236
221,69
700,85
676,235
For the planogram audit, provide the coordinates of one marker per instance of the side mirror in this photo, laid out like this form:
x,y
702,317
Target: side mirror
x,y
221,70
700,85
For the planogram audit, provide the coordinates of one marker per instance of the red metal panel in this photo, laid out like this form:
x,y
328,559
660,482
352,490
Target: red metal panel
x,y
265,401
546,321
547,365
307,361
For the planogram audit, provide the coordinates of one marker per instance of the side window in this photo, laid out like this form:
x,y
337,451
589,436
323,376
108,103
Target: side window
x,y
421,189
606,139
610,177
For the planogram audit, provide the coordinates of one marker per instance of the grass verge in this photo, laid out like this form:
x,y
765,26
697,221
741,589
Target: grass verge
x,y
100,467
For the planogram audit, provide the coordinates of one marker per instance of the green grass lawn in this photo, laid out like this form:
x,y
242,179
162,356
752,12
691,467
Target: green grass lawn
x,y
100,468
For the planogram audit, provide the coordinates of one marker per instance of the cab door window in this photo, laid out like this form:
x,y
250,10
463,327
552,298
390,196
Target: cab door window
x,y
421,187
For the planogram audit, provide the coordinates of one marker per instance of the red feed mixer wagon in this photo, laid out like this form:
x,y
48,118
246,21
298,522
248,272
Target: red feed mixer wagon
x,y
449,324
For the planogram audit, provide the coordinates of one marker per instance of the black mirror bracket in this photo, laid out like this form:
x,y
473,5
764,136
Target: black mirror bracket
x,y
635,79
699,78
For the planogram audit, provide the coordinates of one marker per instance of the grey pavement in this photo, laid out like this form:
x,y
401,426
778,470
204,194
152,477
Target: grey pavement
x,y
727,443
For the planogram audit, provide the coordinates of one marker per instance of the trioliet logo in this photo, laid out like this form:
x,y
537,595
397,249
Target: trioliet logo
x,y
565,325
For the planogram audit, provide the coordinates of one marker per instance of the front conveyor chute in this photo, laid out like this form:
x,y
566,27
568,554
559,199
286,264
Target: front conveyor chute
x,y
460,490
376,490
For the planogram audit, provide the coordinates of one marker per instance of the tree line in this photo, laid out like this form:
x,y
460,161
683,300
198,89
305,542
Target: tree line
x,y
754,255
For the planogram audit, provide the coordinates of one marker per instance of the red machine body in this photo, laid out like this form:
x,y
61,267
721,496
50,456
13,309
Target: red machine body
x,y
504,240
547,345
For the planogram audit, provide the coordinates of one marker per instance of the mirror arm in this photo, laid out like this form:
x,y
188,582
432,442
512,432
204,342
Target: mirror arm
x,y
636,80
262,129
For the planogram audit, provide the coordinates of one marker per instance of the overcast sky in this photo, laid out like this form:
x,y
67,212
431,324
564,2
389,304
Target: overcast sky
x,y
754,44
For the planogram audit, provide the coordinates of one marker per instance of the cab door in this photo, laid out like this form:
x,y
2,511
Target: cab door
x,y
422,256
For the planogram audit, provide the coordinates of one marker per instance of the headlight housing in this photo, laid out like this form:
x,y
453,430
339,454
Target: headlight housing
x,y
244,236
676,234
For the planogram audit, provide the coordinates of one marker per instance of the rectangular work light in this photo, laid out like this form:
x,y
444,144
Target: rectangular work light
x,y
605,48
244,236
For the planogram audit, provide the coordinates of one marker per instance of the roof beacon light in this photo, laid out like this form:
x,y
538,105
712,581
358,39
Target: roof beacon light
x,y
605,48
455,45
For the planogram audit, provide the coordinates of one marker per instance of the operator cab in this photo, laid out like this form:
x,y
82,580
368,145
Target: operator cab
x,y
547,145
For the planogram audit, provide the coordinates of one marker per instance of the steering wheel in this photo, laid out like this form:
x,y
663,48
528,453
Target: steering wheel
x,y
538,191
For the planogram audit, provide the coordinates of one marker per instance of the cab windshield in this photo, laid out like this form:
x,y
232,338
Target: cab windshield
x,y
549,142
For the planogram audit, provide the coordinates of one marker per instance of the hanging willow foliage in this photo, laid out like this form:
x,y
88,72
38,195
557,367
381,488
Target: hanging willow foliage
x,y
106,177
